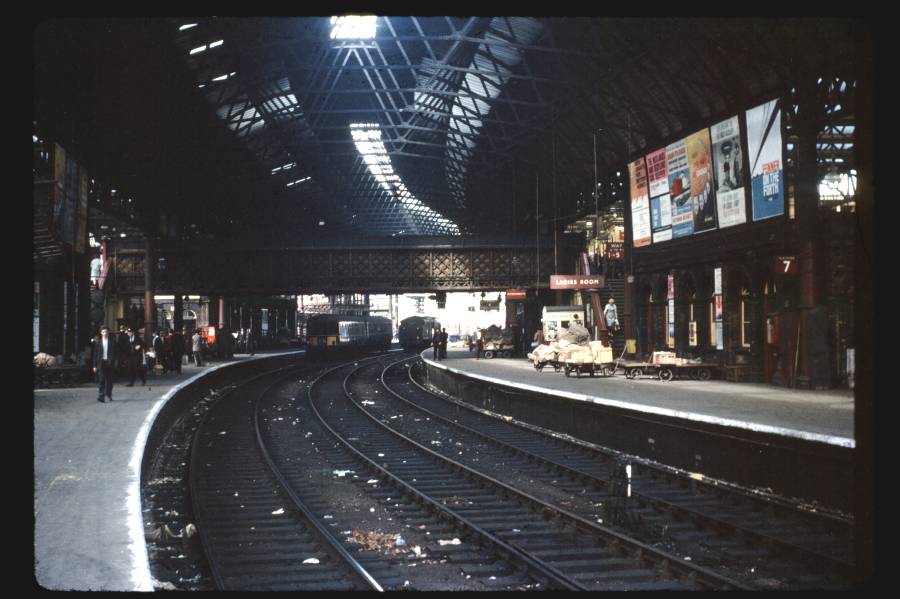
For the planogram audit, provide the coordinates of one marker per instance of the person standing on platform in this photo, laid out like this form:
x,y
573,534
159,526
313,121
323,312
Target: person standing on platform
x,y
251,342
177,350
443,344
436,345
196,348
479,345
135,354
612,318
104,360
159,348
122,349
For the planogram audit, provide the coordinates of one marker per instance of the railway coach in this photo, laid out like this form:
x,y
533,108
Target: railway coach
x,y
336,332
416,331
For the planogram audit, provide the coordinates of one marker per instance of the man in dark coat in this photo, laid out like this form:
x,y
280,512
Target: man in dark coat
x,y
104,357
443,344
135,353
177,350
436,344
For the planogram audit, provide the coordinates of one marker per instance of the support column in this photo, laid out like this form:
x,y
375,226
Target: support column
x,y
178,316
864,315
149,306
813,367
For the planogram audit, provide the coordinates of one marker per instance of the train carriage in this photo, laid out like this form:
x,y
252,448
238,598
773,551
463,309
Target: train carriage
x,y
336,332
416,332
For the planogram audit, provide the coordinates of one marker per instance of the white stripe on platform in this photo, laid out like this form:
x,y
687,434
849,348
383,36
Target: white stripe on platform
x,y
141,578
753,426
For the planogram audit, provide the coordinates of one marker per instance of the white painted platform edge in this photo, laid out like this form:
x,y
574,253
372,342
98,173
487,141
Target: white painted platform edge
x,y
141,578
753,426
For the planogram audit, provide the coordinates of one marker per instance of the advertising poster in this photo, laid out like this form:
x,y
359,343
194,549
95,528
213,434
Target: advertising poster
x,y
699,151
764,147
640,203
656,173
728,162
717,280
679,189
720,344
718,315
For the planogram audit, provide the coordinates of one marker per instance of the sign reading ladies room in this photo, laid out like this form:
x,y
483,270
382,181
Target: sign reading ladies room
x,y
766,172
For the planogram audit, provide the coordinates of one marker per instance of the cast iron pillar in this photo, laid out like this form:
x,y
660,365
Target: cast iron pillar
x,y
149,306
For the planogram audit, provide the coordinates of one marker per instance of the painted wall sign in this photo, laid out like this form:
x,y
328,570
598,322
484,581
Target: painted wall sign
x,y
576,281
766,162
729,167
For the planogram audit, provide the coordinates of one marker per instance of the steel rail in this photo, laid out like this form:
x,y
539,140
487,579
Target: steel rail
x,y
546,572
813,558
662,559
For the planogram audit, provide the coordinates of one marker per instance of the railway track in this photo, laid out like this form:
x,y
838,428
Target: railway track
x,y
555,545
760,541
360,478
256,531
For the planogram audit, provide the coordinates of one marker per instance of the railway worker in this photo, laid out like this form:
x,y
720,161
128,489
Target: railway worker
x,y
104,360
444,344
196,347
479,345
436,344
134,351
159,348
177,350
610,313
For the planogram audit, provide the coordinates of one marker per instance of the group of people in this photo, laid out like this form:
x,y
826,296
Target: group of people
x,y
126,351
439,344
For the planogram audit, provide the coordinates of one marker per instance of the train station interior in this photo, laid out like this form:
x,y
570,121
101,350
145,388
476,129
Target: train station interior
x,y
692,197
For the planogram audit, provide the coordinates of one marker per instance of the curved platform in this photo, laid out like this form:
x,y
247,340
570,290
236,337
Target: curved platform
x,y
796,444
89,532
823,416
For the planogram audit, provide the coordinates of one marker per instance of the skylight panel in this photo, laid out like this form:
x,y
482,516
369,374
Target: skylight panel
x,y
187,26
353,27
367,138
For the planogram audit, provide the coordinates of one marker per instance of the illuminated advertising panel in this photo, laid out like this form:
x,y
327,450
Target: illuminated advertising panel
x,y
728,160
703,204
640,203
679,189
660,201
766,163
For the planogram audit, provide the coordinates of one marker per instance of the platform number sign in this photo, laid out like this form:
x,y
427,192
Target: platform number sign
x,y
786,265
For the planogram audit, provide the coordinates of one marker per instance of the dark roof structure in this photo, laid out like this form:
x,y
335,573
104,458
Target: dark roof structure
x,y
400,125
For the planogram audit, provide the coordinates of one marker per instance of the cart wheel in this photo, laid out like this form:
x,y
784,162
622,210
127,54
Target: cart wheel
x,y
556,367
606,371
567,371
489,354
505,353
577,370
539,367
666,374
591,371
636,372
704,374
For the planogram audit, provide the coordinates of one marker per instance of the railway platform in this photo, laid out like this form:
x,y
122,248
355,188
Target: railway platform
x,y
824,416
88,526
787,442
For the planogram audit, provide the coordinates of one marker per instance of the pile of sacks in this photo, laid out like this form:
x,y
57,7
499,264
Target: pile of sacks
x,y
574,345
497,336
42,360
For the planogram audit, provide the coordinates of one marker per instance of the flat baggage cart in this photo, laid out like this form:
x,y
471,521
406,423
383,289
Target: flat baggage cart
x,y
667,372
589,368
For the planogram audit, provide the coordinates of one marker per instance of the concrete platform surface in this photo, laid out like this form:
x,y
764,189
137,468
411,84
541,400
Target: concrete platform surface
x,y
89,533
825,416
